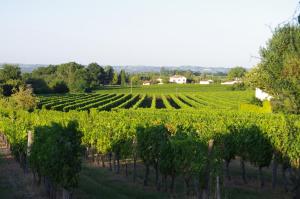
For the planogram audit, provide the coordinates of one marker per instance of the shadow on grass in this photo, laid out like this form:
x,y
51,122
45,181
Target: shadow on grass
x,y
100,183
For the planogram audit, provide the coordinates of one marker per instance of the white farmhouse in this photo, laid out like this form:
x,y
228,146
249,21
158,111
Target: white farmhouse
x,y
178,79
146,83
261,95
160,81
206,81
231,82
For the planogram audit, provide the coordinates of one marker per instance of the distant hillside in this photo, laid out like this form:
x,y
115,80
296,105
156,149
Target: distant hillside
x,y
27,68
138,69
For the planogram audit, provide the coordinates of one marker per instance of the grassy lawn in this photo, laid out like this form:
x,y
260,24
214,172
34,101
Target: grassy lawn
x,y
101,183
97,182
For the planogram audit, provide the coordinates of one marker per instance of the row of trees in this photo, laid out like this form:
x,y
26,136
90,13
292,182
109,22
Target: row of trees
x,y
74,77
60,78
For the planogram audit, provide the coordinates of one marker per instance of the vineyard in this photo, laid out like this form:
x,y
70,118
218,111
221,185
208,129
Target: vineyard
x,y
150,100
170,101
188,144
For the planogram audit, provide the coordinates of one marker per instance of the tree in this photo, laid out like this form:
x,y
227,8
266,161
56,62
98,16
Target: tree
x,y
189,76
123,78
24,99
109,74
10,86
236,72
135,79
165,79
96,75
44,72
39,85
74,75
6,90
42,78
66,72
115,80
81,83
60,87
10,71
278,73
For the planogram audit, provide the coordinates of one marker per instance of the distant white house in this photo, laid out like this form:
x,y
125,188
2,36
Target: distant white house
x,y
179,79
146,83
261,95
206,81
160,81
231,82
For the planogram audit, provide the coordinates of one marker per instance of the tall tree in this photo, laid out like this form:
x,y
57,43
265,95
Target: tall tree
x,y
123,77
278,73
67,71
39,85
96,74
109,74
10,72
115,80
236,72
74,75
81,84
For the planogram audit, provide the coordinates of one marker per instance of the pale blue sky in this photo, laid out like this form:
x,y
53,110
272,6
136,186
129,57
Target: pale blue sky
x,y
138,32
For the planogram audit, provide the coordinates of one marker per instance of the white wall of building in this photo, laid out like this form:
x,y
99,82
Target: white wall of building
x,y
146,84
204,82
261,95
178,79
231,82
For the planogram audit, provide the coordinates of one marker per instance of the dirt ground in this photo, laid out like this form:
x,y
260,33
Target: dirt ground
x,y
14,184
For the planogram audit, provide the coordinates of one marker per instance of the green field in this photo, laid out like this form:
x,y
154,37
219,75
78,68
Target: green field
x,y
168,97
172,127
166,88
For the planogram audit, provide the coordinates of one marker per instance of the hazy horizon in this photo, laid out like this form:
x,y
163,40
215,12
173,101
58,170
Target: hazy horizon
x,y
158,66
139,32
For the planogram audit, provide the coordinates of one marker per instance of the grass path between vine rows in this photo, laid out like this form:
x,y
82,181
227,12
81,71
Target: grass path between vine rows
x,y
97,182
14,184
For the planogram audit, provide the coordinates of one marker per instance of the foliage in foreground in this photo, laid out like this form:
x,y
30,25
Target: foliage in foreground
x,y
160,138
278,73
56,153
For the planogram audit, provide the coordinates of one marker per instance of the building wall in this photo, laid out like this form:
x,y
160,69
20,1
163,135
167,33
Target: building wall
x,y
261,95
181,80
204,82
231,82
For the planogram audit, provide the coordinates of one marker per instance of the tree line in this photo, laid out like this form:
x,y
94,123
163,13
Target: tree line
x,y
74,77
63,78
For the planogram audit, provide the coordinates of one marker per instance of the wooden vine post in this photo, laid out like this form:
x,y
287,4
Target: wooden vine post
x,y
134,143
207,173
66,194
29,143
274,170
218,191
